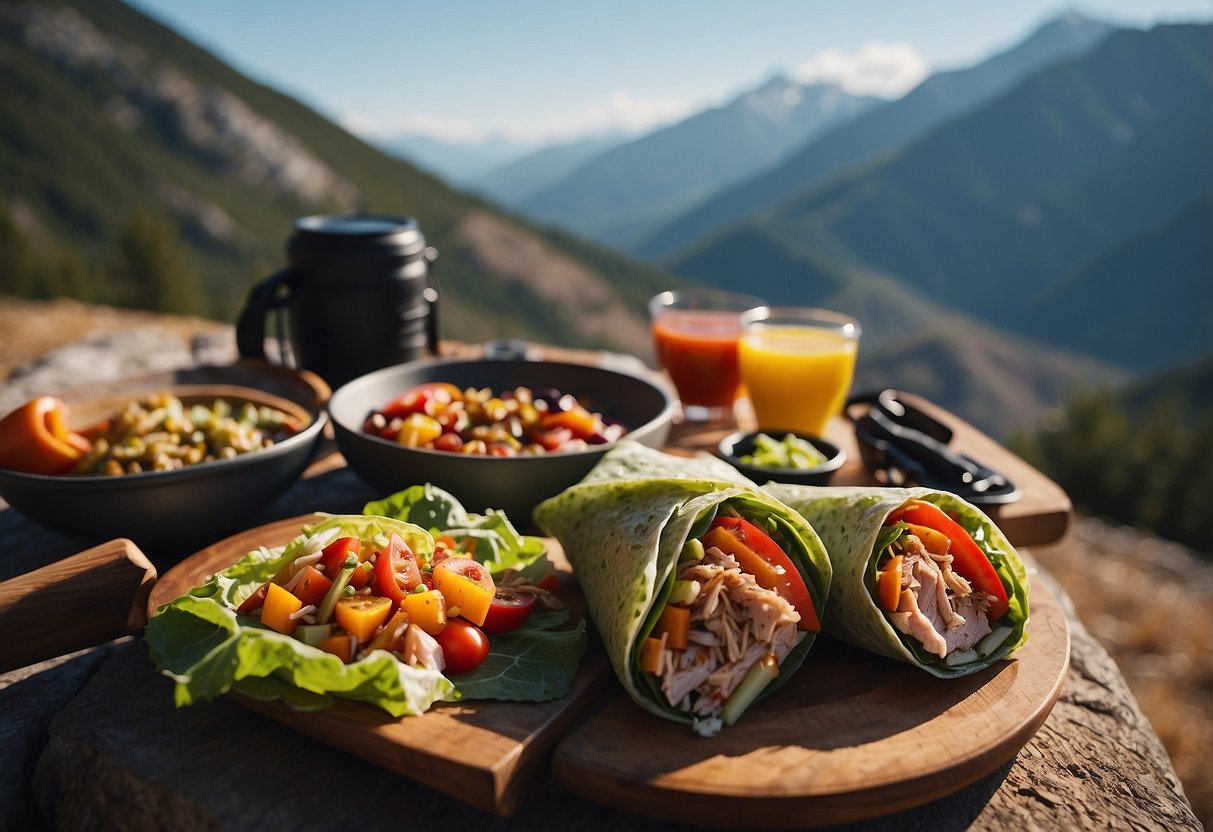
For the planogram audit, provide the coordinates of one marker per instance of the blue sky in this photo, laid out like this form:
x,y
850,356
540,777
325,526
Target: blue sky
x,y
542,70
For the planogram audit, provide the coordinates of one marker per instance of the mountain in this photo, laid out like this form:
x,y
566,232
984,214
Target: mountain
x,y
516,180
881,130
110,121
459,163
993,208
624,193
1160,282
996,380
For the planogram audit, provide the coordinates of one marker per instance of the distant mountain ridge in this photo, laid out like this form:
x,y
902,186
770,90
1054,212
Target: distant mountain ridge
x,y
1105,147
881,130
621,194
105,113
517,179
459,163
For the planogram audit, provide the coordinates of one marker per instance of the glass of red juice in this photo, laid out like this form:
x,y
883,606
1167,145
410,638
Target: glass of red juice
x,y
695,334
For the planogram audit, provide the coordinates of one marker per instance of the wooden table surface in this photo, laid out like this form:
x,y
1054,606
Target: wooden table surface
x,y
93,740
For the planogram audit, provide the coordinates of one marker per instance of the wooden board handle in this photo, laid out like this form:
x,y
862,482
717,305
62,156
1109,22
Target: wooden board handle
x,y
86,599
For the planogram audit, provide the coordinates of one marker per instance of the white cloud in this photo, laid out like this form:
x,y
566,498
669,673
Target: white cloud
x,y
622,112
448,130
883,69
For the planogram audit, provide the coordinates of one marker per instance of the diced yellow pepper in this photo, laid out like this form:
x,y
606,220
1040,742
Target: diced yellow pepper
x,y
391,636
340,645
427,610
278,608
472,598
362,615
418,430
934,541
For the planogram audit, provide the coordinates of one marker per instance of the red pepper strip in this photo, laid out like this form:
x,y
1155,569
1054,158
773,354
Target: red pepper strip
x,y
761,556
34,438
968,560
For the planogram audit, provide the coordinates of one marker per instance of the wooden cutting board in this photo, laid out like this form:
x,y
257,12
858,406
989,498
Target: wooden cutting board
x,y
852,736
488,754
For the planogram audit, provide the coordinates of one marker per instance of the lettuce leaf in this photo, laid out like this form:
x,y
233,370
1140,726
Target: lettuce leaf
x,y
200,642
490,538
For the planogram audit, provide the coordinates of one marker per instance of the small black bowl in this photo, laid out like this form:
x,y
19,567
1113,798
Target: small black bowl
x,y
736,445
180,509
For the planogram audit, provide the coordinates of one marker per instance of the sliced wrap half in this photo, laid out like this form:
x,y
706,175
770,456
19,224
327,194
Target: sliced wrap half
x,y
864,531
629,540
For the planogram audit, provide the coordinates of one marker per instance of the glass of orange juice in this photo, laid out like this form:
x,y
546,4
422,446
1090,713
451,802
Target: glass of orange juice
x,y
797,365
695,334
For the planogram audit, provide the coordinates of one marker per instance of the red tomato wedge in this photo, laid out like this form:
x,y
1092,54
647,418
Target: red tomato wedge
x,y
507,611
396,570
968,560
761,556
312,587
334,557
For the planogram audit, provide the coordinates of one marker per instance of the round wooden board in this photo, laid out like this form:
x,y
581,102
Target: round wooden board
x,y
851,736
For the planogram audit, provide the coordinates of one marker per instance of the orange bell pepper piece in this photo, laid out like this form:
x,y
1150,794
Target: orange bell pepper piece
x,y
35,439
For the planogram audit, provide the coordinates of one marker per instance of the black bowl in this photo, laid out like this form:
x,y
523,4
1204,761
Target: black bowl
x,y
513,484
191,505
736,445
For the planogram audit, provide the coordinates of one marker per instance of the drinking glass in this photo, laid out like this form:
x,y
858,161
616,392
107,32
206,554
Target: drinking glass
x,y
695,334
797,365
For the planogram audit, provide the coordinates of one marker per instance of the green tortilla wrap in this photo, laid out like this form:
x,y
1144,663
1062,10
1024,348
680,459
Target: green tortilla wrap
x,y
851,522
624,539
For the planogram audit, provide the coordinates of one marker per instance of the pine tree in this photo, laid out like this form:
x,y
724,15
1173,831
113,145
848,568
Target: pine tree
x,y
153,268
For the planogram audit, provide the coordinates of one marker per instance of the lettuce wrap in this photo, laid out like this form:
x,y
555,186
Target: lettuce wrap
x,y
207,646
910,586
655,556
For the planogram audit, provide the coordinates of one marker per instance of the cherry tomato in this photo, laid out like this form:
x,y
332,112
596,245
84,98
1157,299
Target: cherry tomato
x,y
464,646
421,399
508,611
396,570
448,442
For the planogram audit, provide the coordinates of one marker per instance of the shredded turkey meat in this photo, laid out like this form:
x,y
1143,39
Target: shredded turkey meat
x,y
734,623
938,607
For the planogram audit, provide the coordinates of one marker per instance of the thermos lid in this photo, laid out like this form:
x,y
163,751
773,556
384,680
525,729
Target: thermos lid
x,y
394,230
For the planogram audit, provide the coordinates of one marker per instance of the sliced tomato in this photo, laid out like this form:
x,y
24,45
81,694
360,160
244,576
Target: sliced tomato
x,y
968,560
396,570
464,646
761,556
507,611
